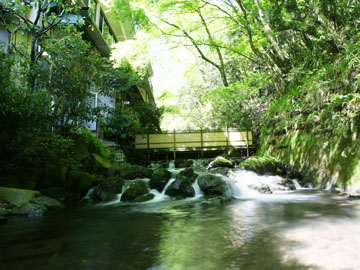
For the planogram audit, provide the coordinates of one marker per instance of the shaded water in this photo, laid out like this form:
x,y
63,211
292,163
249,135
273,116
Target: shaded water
x,y
294,230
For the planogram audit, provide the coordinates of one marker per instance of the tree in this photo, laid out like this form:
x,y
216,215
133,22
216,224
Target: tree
x,y
14,17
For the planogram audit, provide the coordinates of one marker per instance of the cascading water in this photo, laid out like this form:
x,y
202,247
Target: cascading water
x,y
296,184
237,189
241,184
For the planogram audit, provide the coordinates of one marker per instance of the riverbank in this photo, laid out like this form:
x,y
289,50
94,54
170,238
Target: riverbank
x,y
328,160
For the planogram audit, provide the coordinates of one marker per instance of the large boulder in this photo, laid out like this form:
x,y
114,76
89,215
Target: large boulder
x,y
29,209
220,170
100,164
130,172
144,198
136,189
264,165
221,162
5,208
189,173
80,182
212,184
183,163
159,179
48,202
17,196
107,190
180,188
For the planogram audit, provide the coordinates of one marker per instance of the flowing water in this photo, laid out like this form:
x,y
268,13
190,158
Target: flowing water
x,y
302,229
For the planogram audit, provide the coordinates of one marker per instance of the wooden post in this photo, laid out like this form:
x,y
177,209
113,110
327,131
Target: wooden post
x,y
148,144
227,137
247,143
202,143
174,145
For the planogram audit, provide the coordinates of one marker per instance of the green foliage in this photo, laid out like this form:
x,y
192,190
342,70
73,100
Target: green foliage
x,y
121,124
149,116
68,76
95,145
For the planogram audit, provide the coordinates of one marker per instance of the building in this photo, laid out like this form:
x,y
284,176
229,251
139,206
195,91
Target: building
x,y
102,28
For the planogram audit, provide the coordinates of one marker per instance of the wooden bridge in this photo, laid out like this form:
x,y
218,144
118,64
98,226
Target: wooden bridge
x,y
200,143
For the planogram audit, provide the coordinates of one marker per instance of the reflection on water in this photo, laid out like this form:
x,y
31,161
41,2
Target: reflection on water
x,y
282,232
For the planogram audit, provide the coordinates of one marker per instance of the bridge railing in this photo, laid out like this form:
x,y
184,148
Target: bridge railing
x,y
195,139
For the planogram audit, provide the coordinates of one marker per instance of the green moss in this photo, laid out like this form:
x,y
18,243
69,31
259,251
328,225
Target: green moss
x,y
263,165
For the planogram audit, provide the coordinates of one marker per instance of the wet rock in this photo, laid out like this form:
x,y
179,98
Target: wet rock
x,y
136,189
279,183
264,165
29,209
221,162
144,198
17,196
130,172
212,184
181,188
220,170
189,173
218,200
159,179
183,163
107,190
48,202
80,182
263,189
5,208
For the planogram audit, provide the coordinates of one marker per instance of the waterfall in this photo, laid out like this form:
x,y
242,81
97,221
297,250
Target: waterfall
x,y
296,184
198,192
171,165
237,189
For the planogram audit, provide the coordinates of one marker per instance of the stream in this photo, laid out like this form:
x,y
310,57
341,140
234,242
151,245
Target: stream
x,y
300,229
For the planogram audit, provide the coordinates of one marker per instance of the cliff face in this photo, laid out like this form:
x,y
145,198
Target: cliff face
x,y
328,160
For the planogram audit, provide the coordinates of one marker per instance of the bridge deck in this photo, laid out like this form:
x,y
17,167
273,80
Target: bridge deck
x,y
195,141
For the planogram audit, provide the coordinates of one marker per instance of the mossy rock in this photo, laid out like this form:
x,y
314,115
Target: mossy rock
x,y
30,210
181,188
100,164
159,179
189,173
264,165
220,170
212,184
17,196
136,189
144,198
49,203
183,163
108,189
130,172
80,182
221,162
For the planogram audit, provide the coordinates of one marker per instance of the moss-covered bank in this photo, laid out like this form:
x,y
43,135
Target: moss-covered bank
x,y
326,159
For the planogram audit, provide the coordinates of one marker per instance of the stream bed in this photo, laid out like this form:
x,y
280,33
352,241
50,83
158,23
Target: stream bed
x,y
303,229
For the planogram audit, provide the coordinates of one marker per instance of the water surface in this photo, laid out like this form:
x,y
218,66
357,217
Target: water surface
x,y
291,231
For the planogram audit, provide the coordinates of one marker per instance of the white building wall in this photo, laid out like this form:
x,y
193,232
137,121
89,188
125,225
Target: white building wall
x,y
4,38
